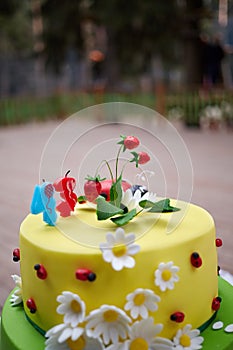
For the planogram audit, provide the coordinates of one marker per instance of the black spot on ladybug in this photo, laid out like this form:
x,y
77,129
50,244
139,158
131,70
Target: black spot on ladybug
x,y
31,305
85,275
91,276
40,271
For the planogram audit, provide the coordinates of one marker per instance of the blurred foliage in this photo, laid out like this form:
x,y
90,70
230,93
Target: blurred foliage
x,y
140,29
62,29
15,27
185,106
137,31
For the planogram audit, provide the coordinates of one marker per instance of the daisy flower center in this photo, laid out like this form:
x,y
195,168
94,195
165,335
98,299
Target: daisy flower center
x,y
75,306
78,344
110,316
139,299
119,250
185,340
139,344
166,275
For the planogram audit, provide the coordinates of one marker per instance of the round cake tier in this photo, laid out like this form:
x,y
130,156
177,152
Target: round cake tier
x,y
24,335
66,250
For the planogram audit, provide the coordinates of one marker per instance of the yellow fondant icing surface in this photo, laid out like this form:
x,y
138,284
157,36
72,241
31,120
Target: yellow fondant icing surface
x,y
74,244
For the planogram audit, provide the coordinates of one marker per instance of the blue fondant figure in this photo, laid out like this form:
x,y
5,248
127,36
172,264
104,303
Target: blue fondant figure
x,y
44,202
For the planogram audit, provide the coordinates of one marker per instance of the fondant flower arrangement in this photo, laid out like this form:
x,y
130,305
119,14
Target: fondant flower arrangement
x,y
118,200
109,327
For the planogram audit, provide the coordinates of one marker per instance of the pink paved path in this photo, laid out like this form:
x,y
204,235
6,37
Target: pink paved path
x,y
20,153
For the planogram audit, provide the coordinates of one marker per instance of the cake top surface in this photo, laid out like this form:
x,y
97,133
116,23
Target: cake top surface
x,y
84,229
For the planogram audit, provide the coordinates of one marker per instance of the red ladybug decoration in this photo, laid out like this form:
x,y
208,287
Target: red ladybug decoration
x,y
85,275
177,317
40,271
196,260
31,305
216,303
218,242
16,254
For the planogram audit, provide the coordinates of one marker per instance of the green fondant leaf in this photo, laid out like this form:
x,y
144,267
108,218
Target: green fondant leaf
x,y
116,192
124,219
145,204
106,210
163,206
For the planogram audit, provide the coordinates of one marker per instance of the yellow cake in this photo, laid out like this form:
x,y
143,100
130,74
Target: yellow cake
x,y
192,293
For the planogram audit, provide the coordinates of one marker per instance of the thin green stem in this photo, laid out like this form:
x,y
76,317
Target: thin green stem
x,y
117,160
110,170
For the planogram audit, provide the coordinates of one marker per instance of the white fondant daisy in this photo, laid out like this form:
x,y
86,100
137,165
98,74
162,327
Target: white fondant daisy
x,y
64,337
143,334
140,302
72,307
109,322
188,339
16,297
165,276
131,201
119,248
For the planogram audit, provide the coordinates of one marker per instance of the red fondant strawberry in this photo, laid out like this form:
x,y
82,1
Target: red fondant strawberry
x,y
92,188
140,158
129,142
143,158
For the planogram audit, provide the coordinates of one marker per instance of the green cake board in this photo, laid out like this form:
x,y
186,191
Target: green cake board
x,y
18,334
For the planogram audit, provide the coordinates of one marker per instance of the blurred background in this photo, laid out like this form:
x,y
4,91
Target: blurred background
x,y
57,57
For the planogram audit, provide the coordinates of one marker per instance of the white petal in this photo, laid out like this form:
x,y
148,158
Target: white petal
x,y
62,309
108,255
120,235
98,330
129,238
143,312
110,238
128,305
129,262
217,325
77,332
113,332
127,196
133,249
65,335
229,328
55,329
134,312
117,264
106,337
